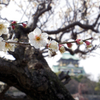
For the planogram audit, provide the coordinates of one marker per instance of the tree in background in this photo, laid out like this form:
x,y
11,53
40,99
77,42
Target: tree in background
x,y
49,26
89,87
97,88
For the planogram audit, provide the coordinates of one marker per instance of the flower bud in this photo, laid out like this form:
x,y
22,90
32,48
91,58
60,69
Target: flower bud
x,y
61,48
79,41
88,44
14,22
69,45
13,27
24,25
53,45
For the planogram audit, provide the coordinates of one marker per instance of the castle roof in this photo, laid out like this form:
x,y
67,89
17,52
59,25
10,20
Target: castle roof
x,y
69,56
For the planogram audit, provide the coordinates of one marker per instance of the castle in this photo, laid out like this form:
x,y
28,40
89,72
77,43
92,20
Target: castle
x,y
69,63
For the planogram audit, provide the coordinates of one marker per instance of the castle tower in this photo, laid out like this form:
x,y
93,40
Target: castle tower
x,y
69,63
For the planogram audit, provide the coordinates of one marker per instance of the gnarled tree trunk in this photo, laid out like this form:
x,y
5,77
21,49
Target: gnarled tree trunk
x,y
31,74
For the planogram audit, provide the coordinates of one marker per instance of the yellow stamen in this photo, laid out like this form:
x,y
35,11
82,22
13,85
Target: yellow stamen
x,y
1,26
38,38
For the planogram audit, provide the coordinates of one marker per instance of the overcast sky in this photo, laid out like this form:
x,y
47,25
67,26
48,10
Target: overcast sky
x,y
91,64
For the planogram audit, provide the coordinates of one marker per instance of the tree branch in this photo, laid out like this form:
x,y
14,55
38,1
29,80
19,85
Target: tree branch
x,y
36,16
6,4
84,26
95,23
63,76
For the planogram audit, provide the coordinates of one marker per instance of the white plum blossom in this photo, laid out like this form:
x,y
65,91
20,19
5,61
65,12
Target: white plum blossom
x,y
53,45
51,53
37,38
2,44
3,28
9,47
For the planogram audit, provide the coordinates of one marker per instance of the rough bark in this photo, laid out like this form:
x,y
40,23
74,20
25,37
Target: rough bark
x,y
31,74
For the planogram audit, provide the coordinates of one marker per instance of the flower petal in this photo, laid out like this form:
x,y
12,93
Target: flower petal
x,y
37,31
37,39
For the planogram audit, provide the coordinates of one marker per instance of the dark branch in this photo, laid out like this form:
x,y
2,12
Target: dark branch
x,y
6,4
95,23
62,76
36,16
77,50
84,26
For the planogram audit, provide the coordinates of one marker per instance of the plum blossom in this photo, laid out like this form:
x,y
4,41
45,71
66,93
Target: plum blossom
x,y
37,38
51,53
2,44
9,47
3,28
53,45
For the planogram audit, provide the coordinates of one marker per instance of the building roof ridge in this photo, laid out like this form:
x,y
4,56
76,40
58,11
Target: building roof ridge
x,y
69,56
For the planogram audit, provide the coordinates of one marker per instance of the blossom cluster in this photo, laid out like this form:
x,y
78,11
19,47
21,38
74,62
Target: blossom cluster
x,y
38,39
9,45
14,24
4,46
3,28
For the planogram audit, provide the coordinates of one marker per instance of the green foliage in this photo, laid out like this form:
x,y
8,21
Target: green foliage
x,y
78,78
58,73
97,88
